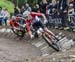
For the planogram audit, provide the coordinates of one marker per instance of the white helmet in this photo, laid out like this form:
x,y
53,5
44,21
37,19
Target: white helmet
x,y
13,17
26,13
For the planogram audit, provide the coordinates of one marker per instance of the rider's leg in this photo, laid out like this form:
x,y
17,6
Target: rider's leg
x,y
38,27
40,31
52,35
30,34
49,36
49,32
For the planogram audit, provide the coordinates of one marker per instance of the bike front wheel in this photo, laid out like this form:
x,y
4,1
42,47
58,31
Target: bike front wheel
x,y
19,33
50,43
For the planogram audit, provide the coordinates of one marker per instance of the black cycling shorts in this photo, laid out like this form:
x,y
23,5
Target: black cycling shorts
x,y
37,25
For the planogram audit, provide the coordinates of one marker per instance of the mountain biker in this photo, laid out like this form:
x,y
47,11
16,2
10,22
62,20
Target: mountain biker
x,y
32,18
15,21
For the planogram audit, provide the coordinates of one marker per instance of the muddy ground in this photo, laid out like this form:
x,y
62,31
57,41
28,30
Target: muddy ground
x,y
21,51
16,51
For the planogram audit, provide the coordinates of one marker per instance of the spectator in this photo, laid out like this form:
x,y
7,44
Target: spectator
x,y
36,8
73,2
27,7
53,2
49,9
16,11
43,5
71,9
63,12
71,16
6,16
1,15
56,6
22,10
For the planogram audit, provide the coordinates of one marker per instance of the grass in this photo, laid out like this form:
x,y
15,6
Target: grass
x,y
8,5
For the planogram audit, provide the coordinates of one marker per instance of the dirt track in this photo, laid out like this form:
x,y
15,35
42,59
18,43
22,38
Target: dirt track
x,y
70,35
12,50
16,51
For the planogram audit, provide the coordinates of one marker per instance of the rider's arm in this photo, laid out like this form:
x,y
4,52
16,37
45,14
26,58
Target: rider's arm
x,y
28,25
40,14
29,29
45,19
11,23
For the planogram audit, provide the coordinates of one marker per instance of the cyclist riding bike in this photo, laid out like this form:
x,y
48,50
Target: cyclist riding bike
x,y
15,22
32,18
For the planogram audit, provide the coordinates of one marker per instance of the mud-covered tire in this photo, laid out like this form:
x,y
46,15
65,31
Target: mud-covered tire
x,y
19,33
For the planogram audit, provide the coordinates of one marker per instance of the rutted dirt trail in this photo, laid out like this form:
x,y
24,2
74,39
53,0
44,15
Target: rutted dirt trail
x,y
15,51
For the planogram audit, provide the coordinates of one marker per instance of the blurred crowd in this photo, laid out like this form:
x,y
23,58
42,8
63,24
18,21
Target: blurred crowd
x,y
55,8
4,16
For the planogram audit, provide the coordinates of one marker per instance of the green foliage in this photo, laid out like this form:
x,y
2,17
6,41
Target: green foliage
x,y
8,5
22,2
